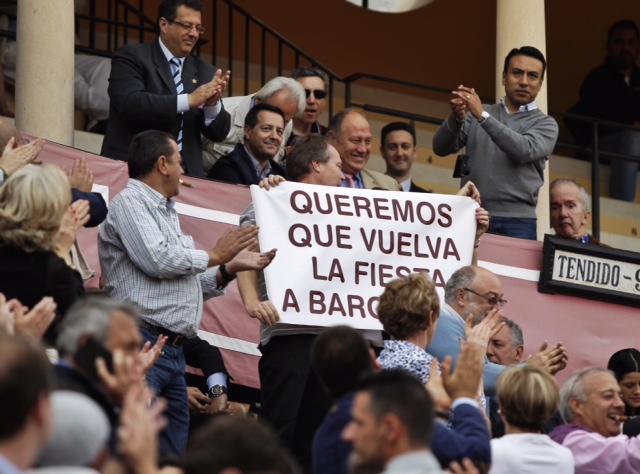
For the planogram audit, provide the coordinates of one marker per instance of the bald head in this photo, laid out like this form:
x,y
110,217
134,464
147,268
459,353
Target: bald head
x,y
472,290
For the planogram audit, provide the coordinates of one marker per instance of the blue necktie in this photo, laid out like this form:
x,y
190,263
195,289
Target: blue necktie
x,y
177,78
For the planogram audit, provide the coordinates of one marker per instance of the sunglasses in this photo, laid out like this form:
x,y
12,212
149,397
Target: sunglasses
x,y
492,300
317,93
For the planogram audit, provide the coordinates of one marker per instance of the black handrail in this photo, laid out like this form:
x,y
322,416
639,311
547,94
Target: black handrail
x,y
266,33
118,19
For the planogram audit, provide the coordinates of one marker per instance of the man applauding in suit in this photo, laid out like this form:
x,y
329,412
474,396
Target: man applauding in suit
x,y
160,86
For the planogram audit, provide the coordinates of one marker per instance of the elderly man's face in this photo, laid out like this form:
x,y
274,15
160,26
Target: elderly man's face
x,y
124,334
500,351
568,214
365,432
484,290
354,142
603,402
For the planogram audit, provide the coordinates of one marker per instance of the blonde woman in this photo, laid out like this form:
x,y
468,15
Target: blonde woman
x,y
37,229
528,396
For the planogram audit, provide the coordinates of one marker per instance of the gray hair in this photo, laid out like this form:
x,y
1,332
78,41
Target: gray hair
x,y
517,339
280,83
89,316
574,388
461,278
584,195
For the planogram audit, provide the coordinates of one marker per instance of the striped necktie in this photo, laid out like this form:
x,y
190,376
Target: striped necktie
x,y
177,78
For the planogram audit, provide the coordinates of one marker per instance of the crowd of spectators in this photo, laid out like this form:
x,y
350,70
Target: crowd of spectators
x,y
93,380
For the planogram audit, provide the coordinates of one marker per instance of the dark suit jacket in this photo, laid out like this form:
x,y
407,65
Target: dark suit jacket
x,y
200,354
143,97
97,207
417,189
468,437
237,168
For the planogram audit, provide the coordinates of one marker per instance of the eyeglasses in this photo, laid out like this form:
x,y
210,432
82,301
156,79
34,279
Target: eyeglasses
x,y
189,26
492,300
318,93
23,141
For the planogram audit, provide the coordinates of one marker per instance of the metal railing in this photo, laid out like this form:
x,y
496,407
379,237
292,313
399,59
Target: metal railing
x,y
239,25
233,26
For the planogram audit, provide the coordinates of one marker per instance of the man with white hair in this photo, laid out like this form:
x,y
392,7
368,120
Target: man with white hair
x,y
283,92
570,211
591,405
79,435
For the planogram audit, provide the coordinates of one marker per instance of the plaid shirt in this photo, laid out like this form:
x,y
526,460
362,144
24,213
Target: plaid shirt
x,y
146,260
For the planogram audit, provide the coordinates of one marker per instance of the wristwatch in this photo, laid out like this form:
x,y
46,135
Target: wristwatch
x,y
217,390
484,116
228,277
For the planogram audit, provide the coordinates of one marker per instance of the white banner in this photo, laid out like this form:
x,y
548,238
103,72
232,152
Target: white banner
x,y
339,247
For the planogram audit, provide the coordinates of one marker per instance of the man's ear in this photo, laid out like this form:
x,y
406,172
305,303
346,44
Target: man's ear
x,y
504,77
162,23
161,165
519,351
247,130
460,297
256,101
315,166
576,406
391,427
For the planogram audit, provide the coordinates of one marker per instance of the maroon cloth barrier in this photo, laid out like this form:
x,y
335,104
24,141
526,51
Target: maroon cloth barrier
x,y
590,330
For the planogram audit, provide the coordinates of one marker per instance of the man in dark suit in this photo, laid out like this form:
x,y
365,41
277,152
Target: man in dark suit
x,y
252,160
147,94
399,148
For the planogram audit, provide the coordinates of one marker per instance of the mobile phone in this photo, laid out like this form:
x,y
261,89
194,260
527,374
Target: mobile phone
x,y
461,168
85,358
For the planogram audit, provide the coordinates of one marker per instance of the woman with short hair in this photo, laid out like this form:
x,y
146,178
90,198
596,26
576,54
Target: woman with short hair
x,y
528,397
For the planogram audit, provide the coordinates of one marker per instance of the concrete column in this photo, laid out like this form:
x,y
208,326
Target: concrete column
x,y
44,69
521,23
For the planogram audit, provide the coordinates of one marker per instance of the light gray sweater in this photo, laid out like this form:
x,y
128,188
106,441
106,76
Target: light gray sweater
x,y
507,156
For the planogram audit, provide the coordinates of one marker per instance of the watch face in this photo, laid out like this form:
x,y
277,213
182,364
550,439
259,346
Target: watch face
x,y
217,390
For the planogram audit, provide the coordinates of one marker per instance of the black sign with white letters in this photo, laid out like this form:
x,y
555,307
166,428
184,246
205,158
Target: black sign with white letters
x,y
590,271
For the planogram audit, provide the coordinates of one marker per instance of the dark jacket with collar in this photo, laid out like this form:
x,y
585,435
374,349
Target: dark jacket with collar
x,y
143,95
237,168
